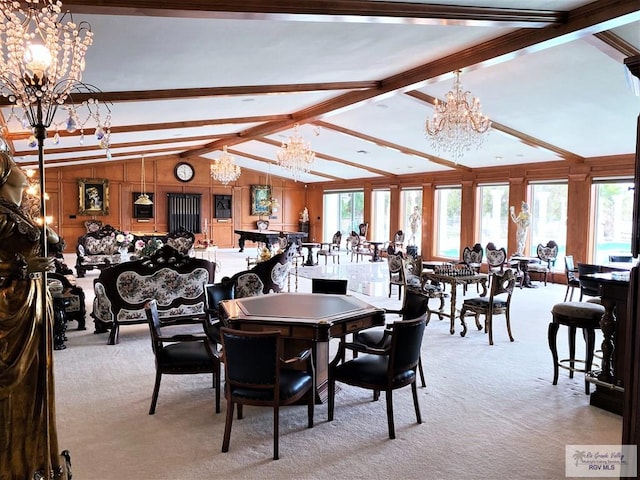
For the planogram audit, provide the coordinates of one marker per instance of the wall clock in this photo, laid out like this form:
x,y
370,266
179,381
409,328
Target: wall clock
x,y
184,172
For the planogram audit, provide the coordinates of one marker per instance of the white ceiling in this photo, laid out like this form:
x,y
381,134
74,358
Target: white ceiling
x,y
563,97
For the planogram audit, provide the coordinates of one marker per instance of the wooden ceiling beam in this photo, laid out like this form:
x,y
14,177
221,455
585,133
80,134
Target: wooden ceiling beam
x,y
361,11
582,21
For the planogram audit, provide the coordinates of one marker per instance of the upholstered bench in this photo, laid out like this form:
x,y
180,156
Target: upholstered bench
x,y
574,315
174,280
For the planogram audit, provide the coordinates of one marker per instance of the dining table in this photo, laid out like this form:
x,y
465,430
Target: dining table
x,y
305,320
455,280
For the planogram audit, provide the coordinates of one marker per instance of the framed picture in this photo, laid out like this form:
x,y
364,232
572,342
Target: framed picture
x,y
93,196
142,211
260,195
222,206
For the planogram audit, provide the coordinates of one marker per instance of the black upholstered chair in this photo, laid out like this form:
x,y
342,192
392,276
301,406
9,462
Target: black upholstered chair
x,y
415,305
497,303
257,374
588,287
572,277
385,369
214,294
180,355
329,285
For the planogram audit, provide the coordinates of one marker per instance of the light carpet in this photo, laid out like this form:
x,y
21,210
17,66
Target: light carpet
x,y
488,411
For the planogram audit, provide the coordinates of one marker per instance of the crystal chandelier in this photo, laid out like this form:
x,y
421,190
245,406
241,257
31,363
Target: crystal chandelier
x,y
457,124
296,155
225,169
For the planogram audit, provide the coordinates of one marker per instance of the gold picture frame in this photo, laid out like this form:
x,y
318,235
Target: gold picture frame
x,y
260,195
93,196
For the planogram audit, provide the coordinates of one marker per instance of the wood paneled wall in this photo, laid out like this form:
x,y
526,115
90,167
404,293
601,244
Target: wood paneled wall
x,y
124,179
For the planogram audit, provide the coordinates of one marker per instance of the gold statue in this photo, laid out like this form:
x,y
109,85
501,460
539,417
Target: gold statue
x,y
28,437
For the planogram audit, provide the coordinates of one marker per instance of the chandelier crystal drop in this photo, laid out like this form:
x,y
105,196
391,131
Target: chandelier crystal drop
x,y
457,124
296,155
225,169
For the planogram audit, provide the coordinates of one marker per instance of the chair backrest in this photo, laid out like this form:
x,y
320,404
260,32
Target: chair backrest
x,y
502,283
406,341
496,256
570,268
329,285
548,253
621,258
588,286
398,237
181,239
363,228
251,359
337,238
216,292
473,254
415,304
395,264
153,318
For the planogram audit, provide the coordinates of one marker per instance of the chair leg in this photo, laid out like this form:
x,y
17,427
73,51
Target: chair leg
x,y
389,395
216,379
276,432
572,350
331,398
508,319
311,402
567,292
552,335
227,426
414,391
156,389
424,384
488,325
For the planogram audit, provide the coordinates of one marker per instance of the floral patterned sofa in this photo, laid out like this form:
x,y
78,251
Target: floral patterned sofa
x,y
175,280
97,249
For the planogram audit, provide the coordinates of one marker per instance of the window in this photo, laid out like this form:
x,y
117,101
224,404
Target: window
x,y
494,214
380,219
448,209
613,219
548,209
343,211
411,204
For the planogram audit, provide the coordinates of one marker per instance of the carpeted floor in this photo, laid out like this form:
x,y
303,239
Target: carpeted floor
x,y
488,412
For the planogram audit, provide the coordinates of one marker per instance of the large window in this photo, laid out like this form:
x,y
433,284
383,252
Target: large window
x,y
379,226
411,214
613,220
343,211
549,218
494,214
448,209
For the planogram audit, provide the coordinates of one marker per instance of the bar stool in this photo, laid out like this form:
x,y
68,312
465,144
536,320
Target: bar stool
x,y
574,315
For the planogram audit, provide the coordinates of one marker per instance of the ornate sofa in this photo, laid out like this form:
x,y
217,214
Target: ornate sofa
x,y
265,277
97,249
176,281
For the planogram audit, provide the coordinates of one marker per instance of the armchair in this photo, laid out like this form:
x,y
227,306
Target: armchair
x,y
214,294
384,369
76,309
180,355
330,249
497,303
257,374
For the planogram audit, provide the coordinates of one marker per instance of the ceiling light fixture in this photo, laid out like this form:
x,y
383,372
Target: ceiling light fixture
x,y
143,198
458,124
225,169
296,155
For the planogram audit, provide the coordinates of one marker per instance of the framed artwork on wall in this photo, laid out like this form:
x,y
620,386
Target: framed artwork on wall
x,y
142,211
260,194
222,206
93,196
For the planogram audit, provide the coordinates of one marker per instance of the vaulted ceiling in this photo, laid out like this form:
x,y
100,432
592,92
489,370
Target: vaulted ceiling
x,y
184,79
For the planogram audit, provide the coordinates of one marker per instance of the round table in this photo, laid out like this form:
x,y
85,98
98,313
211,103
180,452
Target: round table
x,y
310,246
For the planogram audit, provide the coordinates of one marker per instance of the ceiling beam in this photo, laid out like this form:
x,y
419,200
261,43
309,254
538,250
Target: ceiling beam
x,y
583,21
326,11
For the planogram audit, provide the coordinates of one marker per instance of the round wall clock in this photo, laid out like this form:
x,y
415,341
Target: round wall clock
x,y
184,172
